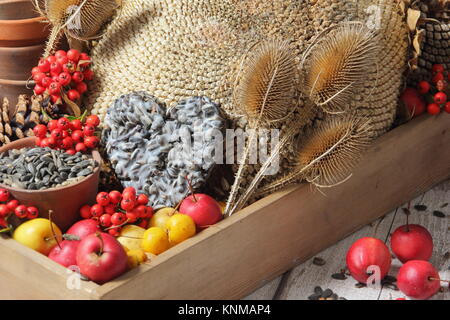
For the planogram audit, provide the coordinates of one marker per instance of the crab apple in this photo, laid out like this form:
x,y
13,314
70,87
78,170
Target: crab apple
x,y
91,142
367,252
4,210
418,279
93,120
102,199
85,212
4,195
88,130
203,209
433,109
440,98
412,242
115,196
73,95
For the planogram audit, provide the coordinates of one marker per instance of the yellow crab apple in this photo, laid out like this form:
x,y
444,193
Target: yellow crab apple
x,y
37,234
161,216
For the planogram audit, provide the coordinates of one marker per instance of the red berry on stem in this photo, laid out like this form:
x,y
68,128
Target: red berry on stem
x,y
60,53
115,197
85,212
148,212
67,143
38,89
93,120
51,142
46,82
44,65
423,87
21,211
63,123
51,59
441,85
77,77
141,211
40,130
447,107
76,124
77,135
52,124
56,98
54,88
88,130
4,195
80,147
115,232
71,151
65,78
87,60
56,133
440,98
35,70
129,193
38,77
433,109
438,77
143,224
81,87
88,74
132,216
97,210
32,213
437,68
91,142
127,204
4,210
68,67
12,204
142,199
102,199
73,55
56,68
44,143
73,95
62,60
105,220
118,218
110,208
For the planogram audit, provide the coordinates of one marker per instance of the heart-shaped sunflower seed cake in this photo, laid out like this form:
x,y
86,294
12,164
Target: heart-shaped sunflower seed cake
x,y
159,151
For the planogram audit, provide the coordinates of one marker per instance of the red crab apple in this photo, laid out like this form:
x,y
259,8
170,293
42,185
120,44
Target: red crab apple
x,y
65,254
412,242
418,279
83,228
367,252
101,257
203,209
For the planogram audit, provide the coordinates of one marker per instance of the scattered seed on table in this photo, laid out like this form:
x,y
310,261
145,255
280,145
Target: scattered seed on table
x,y
314,296
438,214
389,278
360,285
319,261
420,207
444,205
318,290
339,276
327,293
447,255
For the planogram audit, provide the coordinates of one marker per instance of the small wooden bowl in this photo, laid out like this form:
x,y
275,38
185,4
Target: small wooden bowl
x,y
21,25
64,201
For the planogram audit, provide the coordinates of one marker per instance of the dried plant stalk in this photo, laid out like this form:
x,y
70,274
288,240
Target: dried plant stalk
x,y
327,157
337,64
265,94
267,87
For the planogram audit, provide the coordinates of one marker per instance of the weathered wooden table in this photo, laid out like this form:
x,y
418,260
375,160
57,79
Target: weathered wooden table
x,y
299,283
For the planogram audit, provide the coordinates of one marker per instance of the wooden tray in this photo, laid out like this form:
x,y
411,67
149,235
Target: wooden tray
x,y
241,253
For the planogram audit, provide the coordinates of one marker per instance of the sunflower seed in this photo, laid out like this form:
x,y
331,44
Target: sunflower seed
x,y
438,214
339,276
420,207
327,293
319,261
314,296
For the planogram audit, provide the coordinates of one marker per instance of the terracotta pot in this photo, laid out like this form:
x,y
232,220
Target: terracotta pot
x,y
16,63
21,25
11,89
64,201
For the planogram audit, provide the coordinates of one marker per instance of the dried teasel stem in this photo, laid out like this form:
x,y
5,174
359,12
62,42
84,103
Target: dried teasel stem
x,y
337,65
327,157
264,94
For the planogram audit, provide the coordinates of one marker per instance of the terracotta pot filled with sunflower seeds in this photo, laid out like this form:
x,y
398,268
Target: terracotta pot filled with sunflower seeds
x,y
53,179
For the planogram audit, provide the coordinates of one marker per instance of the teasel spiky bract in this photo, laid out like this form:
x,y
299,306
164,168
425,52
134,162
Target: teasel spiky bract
x,y
265,95
327,157
79,19
337,65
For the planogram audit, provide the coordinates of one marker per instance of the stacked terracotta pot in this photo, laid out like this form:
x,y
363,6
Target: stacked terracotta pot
x,y
22,39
